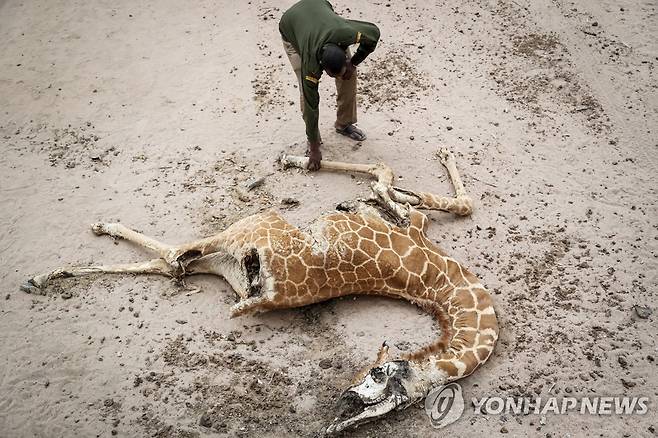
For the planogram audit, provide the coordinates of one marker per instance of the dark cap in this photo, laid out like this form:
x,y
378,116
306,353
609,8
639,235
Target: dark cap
x,y
333,58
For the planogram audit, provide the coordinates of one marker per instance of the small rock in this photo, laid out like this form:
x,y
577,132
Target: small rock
x,y
403,346
622,361
290,201
596,23
7,296
627,383
46,384
108,402
113,432
205,420
642,311
503,430
325,364
181,321
254,183
230,337
242,195
66,295
449,128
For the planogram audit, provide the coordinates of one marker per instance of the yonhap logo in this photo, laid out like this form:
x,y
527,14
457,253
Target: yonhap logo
x,y
444,405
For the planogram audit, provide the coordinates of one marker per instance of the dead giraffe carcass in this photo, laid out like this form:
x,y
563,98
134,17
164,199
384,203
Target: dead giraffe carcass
x,y
376,246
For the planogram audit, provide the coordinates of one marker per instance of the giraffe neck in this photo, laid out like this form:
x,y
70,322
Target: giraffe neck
x,y
465,312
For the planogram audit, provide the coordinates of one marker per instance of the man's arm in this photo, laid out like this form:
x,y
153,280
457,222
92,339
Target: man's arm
x,y
367,36
311,116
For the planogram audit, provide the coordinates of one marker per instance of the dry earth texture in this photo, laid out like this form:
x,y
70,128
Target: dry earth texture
x,y
159,114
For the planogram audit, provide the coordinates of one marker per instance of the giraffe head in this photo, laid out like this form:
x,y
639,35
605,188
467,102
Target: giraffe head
x,y
385,387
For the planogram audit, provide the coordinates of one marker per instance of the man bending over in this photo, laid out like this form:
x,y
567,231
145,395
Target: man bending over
x,y
316,39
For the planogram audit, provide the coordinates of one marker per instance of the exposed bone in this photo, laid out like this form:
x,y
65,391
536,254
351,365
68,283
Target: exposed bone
x,y
394,198
155,266
380,171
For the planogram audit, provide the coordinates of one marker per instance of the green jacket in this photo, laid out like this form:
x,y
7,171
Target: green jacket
x,y
310,24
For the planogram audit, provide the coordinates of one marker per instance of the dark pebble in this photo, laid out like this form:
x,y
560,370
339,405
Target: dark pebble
x,y
642,311
205,420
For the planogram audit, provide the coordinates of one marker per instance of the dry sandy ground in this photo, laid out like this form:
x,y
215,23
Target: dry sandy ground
x,y
153,113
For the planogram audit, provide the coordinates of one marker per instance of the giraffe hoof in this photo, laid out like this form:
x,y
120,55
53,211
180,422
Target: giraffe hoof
x,y
98,228
444,155
466,205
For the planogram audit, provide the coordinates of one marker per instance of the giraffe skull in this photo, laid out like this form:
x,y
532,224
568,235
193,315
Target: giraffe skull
x,y
382,390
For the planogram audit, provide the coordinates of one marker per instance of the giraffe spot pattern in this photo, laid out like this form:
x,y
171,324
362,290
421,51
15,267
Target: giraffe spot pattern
x,y
365,254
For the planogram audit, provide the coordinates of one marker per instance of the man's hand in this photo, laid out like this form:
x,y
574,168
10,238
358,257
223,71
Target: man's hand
x,y
314,156
349,70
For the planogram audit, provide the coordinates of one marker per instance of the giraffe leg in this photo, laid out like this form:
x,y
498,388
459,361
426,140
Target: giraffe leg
x,y
394,198
460,204
155,266
447,158
380,171
123,232
380,188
